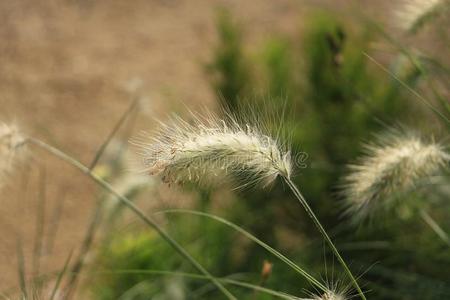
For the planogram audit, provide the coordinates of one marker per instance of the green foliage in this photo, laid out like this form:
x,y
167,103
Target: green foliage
x,y
130,252
229,67
145,251
278,61
336,99
329,98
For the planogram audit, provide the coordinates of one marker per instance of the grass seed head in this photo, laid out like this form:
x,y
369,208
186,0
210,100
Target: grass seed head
x,y
330,295
183,151
412,12
392,166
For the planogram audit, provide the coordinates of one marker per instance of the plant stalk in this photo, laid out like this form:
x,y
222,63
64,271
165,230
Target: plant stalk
x,y
253,238
227,280
116,128
106,186
435,226
319,226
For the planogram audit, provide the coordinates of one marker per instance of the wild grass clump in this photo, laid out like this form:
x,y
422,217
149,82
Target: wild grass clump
x,y
329,96
11,136
340,82
182,149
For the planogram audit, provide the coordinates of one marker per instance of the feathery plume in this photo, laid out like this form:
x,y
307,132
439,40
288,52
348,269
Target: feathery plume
x,y
413,13
188,152
10,142
392,166
330,295
335,290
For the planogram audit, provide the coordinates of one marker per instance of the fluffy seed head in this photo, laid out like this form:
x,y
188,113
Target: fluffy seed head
x,y
182,151
336,289
330,295
10,141
412,12
392,166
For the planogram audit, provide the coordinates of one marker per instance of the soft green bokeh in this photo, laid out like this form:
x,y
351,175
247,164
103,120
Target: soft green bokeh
x,y
329,98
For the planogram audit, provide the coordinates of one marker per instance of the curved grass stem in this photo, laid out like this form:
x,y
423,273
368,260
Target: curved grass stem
x,y
253,238
435,226
226,280
116,128
106,186
319,226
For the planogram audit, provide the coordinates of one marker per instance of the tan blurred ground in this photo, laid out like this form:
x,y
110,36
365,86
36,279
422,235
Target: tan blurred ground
x,y
66,69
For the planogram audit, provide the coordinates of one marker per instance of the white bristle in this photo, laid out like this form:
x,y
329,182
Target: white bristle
x,y
392,166
189,152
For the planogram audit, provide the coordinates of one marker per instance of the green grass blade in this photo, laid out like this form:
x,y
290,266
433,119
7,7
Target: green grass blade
x,y
60,277
250,236
21,268
202,277
138,212
435,227
55,221
322,231
40,223
122,119
410,89
84,249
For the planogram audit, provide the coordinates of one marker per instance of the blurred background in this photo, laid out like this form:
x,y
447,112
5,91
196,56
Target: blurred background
x,y
341,70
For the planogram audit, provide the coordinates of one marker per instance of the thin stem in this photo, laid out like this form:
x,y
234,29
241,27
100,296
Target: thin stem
x,y
97,214
112,133
227,280
435,226
60,277
54,223
253,238
40,223
177,247
21,269
410,89
319,226
197,276
84,250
